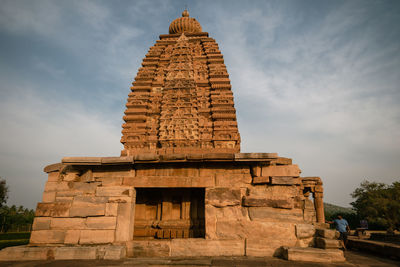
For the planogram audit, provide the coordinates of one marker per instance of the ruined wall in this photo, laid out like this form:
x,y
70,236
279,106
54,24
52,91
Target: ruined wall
x,y
253,204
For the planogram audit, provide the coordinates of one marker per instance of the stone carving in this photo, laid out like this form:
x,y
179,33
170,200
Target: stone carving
x,y
181,99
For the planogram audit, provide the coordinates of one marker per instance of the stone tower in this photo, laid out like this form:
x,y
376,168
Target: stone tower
x,y
181,187
181,99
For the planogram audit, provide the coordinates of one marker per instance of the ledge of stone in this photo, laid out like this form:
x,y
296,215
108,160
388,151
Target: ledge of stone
x,y
153,158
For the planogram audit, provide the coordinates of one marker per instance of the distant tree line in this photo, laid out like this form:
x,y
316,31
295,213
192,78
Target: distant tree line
x,y
13,218
378,203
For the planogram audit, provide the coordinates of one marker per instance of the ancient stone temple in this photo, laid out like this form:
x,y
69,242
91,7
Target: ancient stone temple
x,y
181,187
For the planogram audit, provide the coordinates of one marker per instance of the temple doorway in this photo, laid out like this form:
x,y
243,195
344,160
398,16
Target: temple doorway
x,y
166,213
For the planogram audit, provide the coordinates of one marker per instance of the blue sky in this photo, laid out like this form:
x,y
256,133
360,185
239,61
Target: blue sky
x,y
316,81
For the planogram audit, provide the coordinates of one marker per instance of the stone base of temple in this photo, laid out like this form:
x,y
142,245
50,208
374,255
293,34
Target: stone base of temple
x,y
27,253
213,204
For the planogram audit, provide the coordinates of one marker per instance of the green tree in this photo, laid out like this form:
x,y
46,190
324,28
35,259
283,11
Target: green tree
x,y
3,192
378,203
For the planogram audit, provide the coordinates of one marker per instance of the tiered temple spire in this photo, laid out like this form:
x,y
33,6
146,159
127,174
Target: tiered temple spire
x,y
181,99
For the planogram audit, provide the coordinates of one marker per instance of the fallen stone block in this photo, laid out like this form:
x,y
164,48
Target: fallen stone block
x,y
313,254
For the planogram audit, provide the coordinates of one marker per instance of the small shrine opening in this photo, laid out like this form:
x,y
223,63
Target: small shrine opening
x,y
166,213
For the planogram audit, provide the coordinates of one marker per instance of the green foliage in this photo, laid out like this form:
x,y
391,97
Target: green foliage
x,y
3,192
379,204
332,211
13,218
13,236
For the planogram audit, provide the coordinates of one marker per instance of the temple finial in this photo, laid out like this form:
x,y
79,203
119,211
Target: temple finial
x,y
185,13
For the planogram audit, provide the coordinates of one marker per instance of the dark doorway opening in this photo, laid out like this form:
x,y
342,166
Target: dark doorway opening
x,y
166,213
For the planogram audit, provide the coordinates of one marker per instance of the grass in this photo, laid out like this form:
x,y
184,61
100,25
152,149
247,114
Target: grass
x,y
14,239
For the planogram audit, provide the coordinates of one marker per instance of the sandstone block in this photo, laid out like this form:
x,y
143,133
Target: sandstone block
x,y
281,170
221,197
206,248
327,233
56,186
26,253
96,236
266,247
52,209
325,243
313,255
53,168
261,180
273,191
47,237
111,181
282,180
256,156
71,177
264,202
104,223
237,212
72,237
112,191
53,177
87,176
111,209
305,230
82,199
125,222
169,181
87,209
64,199
67,223
41,223
114,252
144,248
233,229
75,253
275,215
86,188
232,180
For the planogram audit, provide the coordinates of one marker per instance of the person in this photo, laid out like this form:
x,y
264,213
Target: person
x,y
342,226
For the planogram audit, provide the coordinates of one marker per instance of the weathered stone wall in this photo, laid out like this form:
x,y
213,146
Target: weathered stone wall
x,y
251,207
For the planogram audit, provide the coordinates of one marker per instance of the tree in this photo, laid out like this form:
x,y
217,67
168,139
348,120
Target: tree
x,y
3,192
378,203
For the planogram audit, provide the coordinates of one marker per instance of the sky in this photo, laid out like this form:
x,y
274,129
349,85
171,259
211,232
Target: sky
x,y
317,81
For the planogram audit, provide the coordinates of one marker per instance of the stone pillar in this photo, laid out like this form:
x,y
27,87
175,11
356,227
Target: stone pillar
x,y
319,207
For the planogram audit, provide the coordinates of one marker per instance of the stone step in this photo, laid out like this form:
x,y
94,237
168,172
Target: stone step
x,y
313,254
327,233
326,243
